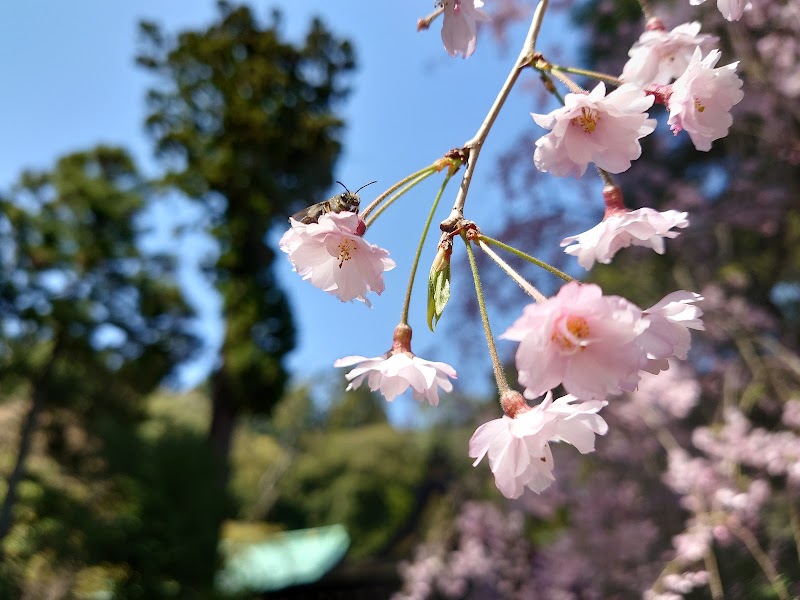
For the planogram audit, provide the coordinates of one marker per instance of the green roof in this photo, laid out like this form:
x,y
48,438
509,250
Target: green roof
x,y
281,559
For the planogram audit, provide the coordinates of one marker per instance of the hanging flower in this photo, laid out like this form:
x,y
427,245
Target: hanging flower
x,y
660,56
460,26
397,370
595,127
519,447
581,339
668,334
701,99
333,256
732,10
642,227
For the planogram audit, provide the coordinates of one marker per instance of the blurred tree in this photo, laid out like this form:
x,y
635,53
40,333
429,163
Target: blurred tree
x,y
244,123
90,326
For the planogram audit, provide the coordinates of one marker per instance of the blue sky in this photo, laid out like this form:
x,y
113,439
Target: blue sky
x,y
70,82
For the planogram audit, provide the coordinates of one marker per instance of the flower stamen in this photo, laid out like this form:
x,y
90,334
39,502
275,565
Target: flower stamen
x,y
346,248
588,120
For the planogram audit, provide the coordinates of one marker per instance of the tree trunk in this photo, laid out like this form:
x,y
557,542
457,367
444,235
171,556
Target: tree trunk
x,y
18,474
223,419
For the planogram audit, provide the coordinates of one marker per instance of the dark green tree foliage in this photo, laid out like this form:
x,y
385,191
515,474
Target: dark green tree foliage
x,y
90,326
244,122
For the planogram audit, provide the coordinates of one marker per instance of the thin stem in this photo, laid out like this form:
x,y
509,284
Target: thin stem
x,y
646,10
714,579
502,384
474,145
527,257
407,302
425,22
550,86
794,519
518,279
615,81
391,200
424,171
605,176
573,87
750,541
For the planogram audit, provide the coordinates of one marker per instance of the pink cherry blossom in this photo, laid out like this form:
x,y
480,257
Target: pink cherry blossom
x,y
732,10
668,334
519,448
335,258
642,227
594,127
460,26
581,339
701,99
660,56
394,373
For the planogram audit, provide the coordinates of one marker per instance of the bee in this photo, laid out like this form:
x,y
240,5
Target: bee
x,y
346,201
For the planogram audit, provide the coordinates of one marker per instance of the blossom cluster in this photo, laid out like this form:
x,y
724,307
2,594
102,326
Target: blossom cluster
x,y
590,345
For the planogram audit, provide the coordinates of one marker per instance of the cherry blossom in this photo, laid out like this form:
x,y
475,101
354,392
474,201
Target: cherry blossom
x,y
519,448
642,227
668,334
701,99
581,339
732,10
333,256
392,374
460,26
660,56
594,127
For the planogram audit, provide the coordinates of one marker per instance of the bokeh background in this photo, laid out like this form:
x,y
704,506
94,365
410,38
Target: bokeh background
x,y
172,426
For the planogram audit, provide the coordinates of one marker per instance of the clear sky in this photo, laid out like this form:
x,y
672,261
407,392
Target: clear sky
x,y
70,82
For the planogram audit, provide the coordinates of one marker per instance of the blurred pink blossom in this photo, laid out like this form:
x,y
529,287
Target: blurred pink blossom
x,y
732,10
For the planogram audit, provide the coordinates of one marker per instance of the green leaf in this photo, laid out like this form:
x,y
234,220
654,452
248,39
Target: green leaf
x,y
438,292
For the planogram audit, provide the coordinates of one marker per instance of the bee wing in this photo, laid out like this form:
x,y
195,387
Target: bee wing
x,y
312,213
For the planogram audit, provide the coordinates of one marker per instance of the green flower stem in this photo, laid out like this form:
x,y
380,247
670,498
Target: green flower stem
x,y
615,81
386,204
551,87
502,384
404,316
751,543
527,257
518,279
421,174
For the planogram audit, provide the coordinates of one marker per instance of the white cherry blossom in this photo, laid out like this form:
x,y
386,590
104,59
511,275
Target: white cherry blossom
x,y
460,26
393,373
642,227
660,56
701,99
519,448
333,256
594,127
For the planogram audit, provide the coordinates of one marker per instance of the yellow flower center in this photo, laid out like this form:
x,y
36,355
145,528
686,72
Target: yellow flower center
x,y
587,121
699,105
346,249
570,336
